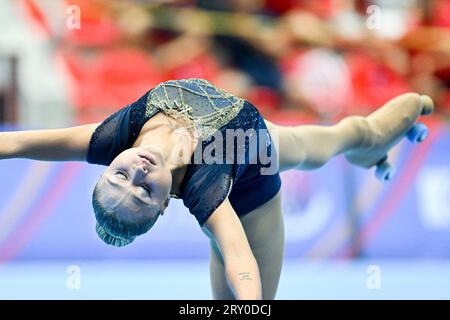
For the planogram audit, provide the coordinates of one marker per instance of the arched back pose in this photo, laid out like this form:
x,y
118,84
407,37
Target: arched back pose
x,y
192,140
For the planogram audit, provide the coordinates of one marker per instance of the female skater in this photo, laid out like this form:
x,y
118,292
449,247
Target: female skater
x,y
191,140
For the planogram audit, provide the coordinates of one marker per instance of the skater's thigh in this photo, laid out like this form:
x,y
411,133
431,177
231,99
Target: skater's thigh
x,y
287,143
264,228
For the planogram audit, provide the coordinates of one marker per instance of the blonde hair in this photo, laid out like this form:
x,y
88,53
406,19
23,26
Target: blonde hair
x,y
111,229
110,239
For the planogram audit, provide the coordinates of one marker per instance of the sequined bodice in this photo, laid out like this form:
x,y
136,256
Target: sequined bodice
x,y
197,102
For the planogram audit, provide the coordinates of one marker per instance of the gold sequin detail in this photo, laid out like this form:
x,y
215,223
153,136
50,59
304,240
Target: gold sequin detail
x,y
204,107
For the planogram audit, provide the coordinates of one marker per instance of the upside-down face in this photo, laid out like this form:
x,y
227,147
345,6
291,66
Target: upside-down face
x,y
134,190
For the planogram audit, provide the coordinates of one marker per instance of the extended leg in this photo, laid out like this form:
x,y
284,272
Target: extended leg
x,y
308,147
364,140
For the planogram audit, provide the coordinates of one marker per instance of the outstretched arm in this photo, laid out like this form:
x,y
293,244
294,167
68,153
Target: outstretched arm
x,y
241,268
66,144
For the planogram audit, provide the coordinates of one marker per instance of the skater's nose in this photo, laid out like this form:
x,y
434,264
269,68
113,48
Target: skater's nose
x,y
140,171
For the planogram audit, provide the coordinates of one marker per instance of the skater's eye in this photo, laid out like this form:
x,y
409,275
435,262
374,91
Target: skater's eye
x,y
121,175
146,191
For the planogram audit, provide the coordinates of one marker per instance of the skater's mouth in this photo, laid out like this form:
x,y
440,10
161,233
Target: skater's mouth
x,y
148,156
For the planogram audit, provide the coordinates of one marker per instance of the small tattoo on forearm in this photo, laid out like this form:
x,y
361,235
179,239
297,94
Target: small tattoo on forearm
x,y
245,275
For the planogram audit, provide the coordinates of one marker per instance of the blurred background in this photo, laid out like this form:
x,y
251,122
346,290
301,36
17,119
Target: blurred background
x,y
64,63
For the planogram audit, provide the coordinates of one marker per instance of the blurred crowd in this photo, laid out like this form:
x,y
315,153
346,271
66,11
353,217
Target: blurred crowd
x,y
326,59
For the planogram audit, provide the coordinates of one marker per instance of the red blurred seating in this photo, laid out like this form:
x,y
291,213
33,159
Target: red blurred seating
x,y
109,81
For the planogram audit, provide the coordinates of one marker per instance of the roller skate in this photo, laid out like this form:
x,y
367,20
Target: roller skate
x,y
385,128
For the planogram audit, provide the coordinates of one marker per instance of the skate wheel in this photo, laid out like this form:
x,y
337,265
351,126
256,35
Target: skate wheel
x,y
417,133
384,159
384,171
427,105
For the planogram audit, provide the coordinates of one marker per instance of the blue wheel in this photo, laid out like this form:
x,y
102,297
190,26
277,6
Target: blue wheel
x,y
384,159
417,133
384,171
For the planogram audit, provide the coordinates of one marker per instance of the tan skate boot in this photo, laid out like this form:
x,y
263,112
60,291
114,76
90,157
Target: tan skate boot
x,y
385,127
